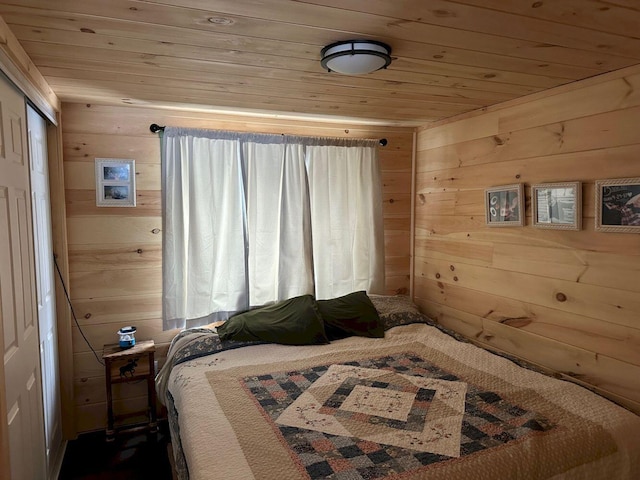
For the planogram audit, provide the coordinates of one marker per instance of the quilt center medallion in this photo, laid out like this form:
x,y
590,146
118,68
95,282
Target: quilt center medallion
x,y
383,403
422,414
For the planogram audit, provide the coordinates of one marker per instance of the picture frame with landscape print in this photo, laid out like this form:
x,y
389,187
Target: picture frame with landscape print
x,y
115,182
618,205
504,205
557,205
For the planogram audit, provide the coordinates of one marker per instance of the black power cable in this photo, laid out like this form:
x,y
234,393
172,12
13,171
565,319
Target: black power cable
x,y
73,313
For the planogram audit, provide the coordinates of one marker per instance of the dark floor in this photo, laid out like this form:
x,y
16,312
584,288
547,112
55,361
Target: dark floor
x,y
133,455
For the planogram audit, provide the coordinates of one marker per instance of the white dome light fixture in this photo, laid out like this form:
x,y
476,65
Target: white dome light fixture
x,y
356,57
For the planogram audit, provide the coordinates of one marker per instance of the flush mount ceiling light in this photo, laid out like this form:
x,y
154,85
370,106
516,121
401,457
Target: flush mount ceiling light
x,y
356,57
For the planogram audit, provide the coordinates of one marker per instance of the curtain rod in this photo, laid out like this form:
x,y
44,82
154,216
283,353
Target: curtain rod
x,y
155,128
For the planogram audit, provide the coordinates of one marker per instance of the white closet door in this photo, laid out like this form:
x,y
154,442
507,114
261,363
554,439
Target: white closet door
x,y
20,344
45,288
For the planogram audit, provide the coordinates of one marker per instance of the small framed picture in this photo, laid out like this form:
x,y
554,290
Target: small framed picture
x,y
505,205
618,205
115,182
557,205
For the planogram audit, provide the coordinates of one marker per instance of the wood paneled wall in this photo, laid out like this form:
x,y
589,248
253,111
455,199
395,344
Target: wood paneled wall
x,y
115,253
565,300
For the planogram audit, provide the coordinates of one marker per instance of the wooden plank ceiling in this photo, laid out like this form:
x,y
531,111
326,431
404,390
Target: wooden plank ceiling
x,y
263,55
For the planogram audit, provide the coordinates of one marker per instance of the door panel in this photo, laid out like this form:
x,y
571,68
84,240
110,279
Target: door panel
x,y
16,437
10,340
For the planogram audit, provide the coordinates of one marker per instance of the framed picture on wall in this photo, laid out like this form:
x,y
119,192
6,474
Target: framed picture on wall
x,y
618,205
505,205
115,182
557,205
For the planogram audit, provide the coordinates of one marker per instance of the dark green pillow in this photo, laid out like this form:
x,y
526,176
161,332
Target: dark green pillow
x,y
291,322
352,314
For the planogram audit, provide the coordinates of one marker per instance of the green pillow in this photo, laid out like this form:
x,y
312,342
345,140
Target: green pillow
x,y
352,314
291,322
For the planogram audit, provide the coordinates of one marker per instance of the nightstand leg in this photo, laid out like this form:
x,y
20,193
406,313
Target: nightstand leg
x,y
151,393
110,430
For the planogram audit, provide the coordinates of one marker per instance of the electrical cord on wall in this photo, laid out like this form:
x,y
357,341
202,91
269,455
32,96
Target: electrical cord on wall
x,y
73,313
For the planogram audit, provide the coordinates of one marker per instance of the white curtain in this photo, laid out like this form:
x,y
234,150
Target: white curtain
x,y
346,218
204,241
278,222
251,219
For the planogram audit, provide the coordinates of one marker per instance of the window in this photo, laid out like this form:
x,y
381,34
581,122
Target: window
x,y
250,219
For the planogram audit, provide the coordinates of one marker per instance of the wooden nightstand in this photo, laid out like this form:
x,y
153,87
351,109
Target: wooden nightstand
x,y
128,365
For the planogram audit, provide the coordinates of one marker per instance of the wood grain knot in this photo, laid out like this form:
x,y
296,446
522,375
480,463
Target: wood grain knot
x,y
518,322
139,251
452,268
391,200
455,279
155,231
87,316
443,13
422,199
437,275
561,297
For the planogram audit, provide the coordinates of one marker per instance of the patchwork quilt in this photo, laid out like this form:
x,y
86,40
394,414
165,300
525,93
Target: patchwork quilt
x,y
415,404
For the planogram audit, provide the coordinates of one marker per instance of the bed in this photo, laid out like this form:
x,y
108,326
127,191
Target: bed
x,y
417,403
